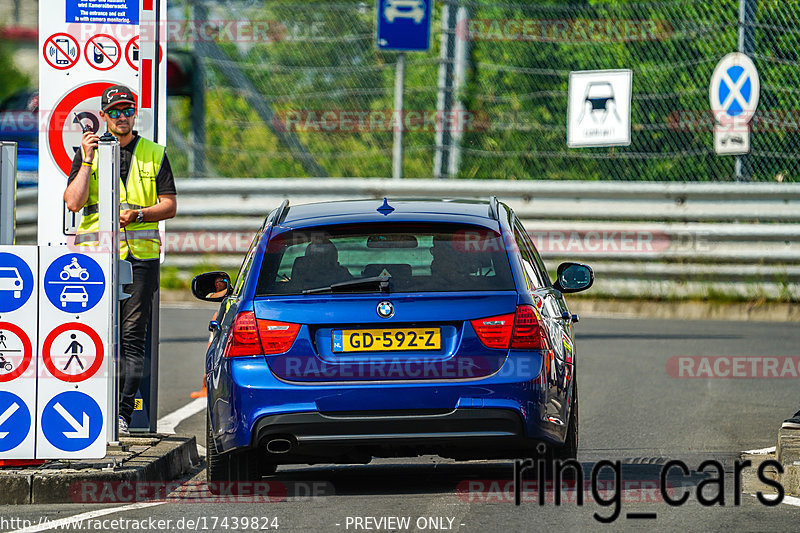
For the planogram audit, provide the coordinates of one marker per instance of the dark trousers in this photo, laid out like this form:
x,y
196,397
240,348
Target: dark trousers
x,y
134,317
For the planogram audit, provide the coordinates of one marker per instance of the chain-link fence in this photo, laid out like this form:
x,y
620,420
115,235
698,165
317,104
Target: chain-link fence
x,y
299,88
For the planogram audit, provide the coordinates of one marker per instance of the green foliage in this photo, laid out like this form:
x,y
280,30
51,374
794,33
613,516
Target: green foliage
x,y
13,79
322,57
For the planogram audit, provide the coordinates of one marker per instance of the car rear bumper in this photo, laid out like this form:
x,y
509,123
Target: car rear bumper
x,y
387,432
250,406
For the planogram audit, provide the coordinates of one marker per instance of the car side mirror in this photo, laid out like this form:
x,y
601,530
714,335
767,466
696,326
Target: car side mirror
x,y
573,277
212,286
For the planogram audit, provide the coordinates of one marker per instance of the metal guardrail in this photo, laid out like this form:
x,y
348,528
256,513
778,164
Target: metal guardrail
x,y
658,239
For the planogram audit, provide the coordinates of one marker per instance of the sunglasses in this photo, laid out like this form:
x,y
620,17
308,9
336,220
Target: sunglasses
x,y
115,113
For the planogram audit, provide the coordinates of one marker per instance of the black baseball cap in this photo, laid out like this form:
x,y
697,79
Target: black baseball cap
x,y
116,94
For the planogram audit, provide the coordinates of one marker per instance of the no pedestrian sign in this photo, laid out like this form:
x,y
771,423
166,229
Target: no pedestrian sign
x,y
73,352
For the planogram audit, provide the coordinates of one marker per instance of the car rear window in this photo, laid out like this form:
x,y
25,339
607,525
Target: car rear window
x,y
416,258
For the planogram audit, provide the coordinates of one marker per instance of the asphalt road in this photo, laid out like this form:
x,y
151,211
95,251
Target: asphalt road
x,y
632,410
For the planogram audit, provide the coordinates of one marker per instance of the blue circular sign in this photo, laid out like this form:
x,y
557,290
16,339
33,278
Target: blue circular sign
x,y
74,283
16,282
15,421
72,421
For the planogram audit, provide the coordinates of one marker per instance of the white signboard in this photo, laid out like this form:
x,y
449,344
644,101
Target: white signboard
x,y
599,108
84,51
18,342
75,353
731,139
733,93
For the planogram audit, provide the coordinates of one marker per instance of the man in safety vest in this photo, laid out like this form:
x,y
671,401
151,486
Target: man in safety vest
x,y
147,196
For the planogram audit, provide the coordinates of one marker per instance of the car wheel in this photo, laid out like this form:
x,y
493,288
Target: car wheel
x,y
570,448
232,467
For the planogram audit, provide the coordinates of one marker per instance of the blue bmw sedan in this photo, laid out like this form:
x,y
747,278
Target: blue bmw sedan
x,y
366,328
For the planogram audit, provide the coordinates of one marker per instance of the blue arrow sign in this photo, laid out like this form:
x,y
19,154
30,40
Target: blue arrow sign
x,y
72,421
404,25
16,282
74,283
15,421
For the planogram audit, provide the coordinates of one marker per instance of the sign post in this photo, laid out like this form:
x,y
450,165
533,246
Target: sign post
x,y
402,27
19,267
8,191
108,213
733,93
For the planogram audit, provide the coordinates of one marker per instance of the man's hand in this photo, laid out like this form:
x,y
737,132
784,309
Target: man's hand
x,y
127,216
89,143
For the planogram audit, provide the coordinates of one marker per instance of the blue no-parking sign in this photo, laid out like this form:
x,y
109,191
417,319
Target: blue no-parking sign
x,y
734,88
16,282
74,283
404,25
15,421
72,421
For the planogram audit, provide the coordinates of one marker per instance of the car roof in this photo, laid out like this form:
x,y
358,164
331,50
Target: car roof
x,y
463,211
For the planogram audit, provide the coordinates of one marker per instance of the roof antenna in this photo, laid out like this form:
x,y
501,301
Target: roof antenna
x,y
385,209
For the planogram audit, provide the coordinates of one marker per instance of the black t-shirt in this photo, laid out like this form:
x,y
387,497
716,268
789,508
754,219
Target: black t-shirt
x,y
165,181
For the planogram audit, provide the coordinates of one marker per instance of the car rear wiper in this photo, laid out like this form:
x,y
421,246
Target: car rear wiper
x,y
379,282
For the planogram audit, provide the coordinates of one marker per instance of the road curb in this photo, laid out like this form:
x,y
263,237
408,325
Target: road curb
x,y
787,453
155,458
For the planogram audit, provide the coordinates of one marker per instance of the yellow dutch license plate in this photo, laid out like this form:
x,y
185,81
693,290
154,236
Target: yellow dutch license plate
x,y
386,340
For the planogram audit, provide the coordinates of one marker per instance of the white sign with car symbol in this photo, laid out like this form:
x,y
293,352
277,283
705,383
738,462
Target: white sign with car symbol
x,y
409,9
599,108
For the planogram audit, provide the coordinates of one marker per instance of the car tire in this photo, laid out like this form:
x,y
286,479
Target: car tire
x,y
231,467
570,448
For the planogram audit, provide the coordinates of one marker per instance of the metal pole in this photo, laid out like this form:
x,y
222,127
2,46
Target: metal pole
x,y
108,213
459,77
444,101
747,10
8,191
399,83
197,154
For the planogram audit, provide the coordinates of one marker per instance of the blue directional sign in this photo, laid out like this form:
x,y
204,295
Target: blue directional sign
x,y
404,25
72,421
15,421
74,283
16,282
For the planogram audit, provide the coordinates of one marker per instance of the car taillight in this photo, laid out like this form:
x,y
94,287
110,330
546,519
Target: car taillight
x,y
519,330
494,331
529,334
252,336
277,337
243,338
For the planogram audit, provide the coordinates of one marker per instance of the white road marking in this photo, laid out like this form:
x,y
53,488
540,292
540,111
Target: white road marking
x,y
788,500
168,423
762,451
74,520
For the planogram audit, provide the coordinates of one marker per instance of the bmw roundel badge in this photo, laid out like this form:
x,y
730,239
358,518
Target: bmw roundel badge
x,y
385,309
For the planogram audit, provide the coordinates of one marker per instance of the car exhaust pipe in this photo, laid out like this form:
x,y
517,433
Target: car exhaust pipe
x,y
279,445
